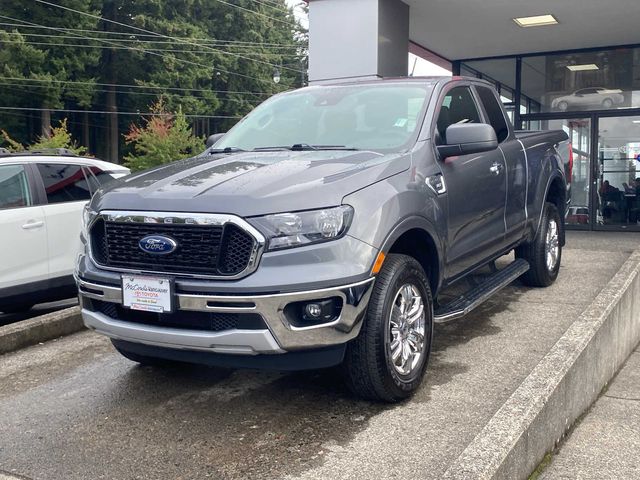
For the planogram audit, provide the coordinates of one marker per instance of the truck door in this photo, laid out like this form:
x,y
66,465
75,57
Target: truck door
x,y
475,190
515,162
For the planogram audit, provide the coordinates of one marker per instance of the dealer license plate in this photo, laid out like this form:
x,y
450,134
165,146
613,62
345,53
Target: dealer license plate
x,y
150,294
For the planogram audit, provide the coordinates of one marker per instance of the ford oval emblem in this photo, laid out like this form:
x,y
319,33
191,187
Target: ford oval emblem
x,y
157,245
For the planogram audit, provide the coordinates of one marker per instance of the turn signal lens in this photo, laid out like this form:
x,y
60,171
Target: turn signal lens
x,y
377,266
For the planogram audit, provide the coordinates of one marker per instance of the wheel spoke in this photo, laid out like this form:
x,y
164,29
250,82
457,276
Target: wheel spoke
x,y
396,352
395,315
406,298
416,340
416,315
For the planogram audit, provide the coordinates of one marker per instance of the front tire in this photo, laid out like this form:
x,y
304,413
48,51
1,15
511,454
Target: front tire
x,y
607,103
545,252
387,361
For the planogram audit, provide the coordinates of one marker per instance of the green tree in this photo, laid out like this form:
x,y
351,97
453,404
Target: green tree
x,y
58,137
54,34
163,138
214,60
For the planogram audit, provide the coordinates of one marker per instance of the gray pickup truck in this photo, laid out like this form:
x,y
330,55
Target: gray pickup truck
x,y
322,230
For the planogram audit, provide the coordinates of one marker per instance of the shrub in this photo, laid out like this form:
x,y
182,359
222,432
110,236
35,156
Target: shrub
x,y
163,138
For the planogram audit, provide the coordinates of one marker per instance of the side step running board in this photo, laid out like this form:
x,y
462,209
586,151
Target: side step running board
x,y
477,295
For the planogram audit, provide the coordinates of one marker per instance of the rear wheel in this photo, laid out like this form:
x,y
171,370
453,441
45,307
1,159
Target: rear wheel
x,y
388,359
545,252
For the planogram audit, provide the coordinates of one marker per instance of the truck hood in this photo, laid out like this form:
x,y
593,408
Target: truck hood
x,y
252,183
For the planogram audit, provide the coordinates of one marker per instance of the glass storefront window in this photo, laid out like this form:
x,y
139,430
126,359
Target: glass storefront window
x,y
619,170
579,131
599,80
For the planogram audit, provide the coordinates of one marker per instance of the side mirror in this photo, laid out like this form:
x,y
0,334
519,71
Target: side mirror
x,y
468,138
213,139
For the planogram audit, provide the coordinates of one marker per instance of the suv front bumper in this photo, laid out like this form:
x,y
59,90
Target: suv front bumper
x,y
280,336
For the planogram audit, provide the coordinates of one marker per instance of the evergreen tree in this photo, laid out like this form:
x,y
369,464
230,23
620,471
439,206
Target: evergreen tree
x,y
194,53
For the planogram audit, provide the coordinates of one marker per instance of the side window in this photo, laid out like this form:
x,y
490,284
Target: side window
x,y
14,187
97,178
494,112
64,182
458,106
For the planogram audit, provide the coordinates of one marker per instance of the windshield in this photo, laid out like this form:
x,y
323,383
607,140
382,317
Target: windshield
x,y
383,117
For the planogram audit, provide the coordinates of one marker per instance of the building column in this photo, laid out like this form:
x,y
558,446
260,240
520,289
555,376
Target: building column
x,y
357,39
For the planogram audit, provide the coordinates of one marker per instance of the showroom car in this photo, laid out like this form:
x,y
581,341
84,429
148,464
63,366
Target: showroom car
x,y
594,97
42,195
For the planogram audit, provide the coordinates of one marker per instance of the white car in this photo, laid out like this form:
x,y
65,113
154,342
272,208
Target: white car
x,y
42,195
589,97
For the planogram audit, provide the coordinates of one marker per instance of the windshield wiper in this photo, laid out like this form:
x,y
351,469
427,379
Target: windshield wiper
x,y
300,147
334,147
226,150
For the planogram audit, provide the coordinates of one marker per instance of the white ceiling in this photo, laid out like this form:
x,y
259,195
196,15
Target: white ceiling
x,y
460,29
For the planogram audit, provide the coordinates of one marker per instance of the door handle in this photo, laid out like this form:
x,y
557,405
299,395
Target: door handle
x,y
496,168
33,224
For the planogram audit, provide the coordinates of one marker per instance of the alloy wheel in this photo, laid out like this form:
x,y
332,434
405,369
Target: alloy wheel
x,y
552,245
406,335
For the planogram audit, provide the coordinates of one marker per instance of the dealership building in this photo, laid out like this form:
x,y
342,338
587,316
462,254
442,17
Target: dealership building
x,y
571,65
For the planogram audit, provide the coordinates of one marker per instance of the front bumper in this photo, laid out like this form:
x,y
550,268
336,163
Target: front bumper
x,y
280,336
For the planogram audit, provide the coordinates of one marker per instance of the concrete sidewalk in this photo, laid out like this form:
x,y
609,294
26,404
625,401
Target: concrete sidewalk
x,y
605,444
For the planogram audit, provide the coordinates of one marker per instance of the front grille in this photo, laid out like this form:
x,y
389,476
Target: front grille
x,y
201,249
182,320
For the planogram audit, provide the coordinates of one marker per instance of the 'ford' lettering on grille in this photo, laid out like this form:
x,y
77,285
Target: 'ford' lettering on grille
x,y
157,244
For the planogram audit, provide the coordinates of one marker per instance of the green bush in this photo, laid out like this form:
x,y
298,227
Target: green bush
x,y
163,138
59,137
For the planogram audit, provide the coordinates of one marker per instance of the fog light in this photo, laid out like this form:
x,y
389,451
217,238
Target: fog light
x,y
313,310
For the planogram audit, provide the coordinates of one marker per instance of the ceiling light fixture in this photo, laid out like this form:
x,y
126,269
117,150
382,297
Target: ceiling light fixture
x,y
583,68
536,21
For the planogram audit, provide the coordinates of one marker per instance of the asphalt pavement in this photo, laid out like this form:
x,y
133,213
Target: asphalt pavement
x,y
74,409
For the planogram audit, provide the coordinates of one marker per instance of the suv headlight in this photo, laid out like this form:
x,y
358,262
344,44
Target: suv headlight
x,y
88,216
286,230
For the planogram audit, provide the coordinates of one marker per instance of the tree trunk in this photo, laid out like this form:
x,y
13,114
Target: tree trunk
x,y
112,125
45,123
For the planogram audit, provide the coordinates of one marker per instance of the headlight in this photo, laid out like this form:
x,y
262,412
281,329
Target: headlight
x,y
285,230
87,218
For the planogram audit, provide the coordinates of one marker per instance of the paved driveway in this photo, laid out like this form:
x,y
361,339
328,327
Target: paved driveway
x,y
74,409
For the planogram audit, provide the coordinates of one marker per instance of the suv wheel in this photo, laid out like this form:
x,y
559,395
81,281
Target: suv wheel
x,y
545,252
388,359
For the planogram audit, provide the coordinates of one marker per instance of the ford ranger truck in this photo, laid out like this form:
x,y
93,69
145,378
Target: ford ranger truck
x,y
322,229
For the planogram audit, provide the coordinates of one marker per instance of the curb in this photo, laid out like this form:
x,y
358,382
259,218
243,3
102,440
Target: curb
x,y
561,387
40,329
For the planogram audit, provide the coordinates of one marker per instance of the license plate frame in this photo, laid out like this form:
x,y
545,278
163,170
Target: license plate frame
x,y
148,293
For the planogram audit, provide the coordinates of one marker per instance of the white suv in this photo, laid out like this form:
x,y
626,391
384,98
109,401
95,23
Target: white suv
x,y
42,195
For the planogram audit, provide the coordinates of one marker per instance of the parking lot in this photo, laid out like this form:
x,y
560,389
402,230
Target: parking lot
x,y
73,408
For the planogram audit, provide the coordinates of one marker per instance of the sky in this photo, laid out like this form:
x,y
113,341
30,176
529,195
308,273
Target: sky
x,y
419,66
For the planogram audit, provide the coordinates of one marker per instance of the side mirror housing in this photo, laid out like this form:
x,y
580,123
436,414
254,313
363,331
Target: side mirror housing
x,y
468,138
213,139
